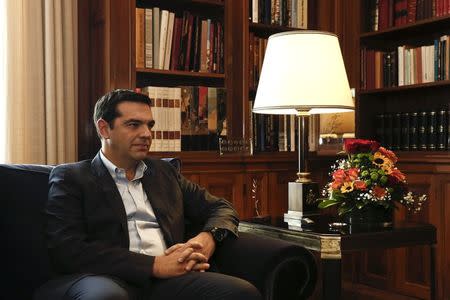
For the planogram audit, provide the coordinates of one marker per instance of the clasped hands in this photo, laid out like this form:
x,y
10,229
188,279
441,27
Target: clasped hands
x,y
185,257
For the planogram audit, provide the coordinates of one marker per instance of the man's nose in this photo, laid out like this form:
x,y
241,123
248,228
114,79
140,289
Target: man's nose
x,y
146,132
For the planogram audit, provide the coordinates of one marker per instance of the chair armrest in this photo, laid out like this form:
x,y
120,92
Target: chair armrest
x,y
279,269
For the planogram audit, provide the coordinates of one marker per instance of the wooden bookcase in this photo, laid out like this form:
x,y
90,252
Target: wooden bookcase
x,y
107,61
426,171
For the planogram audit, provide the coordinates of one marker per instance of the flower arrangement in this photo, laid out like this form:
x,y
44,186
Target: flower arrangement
x,y
368,178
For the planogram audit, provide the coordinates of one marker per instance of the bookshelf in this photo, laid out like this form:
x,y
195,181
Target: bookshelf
x,y
272,133
410,91
427,168
107,56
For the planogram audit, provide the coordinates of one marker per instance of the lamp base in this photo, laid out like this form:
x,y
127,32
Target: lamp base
x,y
302,204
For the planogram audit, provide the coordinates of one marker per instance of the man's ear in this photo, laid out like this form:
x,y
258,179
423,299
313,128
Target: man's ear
x,y
103,128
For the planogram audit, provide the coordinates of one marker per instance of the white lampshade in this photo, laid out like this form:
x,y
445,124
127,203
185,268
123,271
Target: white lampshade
x,y
303,72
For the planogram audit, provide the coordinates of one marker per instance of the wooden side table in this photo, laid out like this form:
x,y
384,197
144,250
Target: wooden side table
x,y
332,242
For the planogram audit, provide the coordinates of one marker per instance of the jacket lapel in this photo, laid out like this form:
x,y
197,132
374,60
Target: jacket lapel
x,y
160,207
111,193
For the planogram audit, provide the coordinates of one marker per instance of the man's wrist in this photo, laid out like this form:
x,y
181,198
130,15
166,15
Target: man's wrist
x,y
218,234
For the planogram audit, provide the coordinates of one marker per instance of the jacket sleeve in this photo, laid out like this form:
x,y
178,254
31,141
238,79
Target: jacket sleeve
x,y
71,247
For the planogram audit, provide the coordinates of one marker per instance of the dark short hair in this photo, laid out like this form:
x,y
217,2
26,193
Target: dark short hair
x,y
106,106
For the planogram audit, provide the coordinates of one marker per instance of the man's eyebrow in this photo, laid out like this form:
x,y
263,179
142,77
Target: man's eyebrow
x,y
133,121
150,123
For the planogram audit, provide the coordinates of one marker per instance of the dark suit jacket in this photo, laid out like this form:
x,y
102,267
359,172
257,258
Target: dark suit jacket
x,y
87,225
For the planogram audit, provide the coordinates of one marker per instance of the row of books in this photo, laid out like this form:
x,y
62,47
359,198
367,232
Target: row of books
x,y
257,49
274,133
406,65
412,131
167,41
391,13
290,13
187,117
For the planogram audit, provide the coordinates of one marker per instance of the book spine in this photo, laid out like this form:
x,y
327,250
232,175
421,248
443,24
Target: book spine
x,y
431,132
380,127
413,131
396,131
140,37
149,38
405,128
422,132
388,130
448,131
169,41
441,129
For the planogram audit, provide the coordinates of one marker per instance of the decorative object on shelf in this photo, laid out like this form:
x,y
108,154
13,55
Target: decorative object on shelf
x,y
367,186
234,146
258,217
303,73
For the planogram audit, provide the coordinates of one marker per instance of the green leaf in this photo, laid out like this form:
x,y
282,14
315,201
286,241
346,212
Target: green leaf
x,y
327,203
343,210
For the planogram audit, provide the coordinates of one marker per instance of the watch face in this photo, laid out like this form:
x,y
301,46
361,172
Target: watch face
x,y
218,234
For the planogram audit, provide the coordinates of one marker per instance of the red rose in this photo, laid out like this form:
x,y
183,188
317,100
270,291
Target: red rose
x,y
352,146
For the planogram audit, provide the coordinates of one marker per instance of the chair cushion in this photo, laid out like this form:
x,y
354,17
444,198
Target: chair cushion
x,y
24,191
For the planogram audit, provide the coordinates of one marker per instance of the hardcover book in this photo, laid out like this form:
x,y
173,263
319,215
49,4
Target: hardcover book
x,y
423,128
413,131
441,129
405,127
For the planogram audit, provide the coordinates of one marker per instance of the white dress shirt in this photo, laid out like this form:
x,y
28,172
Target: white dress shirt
x,y
145,234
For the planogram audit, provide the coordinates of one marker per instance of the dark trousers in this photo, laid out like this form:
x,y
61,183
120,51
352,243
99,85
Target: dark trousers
x,y
194,285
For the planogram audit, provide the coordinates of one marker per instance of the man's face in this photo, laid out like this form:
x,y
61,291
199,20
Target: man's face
x,y
130,138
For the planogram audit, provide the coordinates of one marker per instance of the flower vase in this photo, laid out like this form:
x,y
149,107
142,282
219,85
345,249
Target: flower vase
x,y
369,217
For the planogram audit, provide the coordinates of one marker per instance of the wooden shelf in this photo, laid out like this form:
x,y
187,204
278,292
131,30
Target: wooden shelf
x,y
267,30
182,3
219,3
180,73
441,157
433,25
146,76
441,83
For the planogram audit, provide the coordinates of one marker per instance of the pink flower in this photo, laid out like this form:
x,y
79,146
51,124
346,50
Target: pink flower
x,y
353,146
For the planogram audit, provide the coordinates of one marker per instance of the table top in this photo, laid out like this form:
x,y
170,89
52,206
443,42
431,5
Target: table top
x,y
331,241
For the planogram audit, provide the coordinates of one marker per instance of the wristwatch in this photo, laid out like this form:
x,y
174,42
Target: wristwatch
x,y
219,234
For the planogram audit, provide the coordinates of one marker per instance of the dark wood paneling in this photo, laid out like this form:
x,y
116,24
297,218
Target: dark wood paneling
x,y
228,186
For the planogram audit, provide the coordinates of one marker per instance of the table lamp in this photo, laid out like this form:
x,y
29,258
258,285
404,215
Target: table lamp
x,y
303,73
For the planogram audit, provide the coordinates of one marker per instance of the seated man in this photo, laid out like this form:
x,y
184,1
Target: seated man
x,y
116,224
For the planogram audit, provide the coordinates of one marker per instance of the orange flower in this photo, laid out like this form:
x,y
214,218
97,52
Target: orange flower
x,y
353,174
389,154
339,175
379,192
397,176
336,185
359,185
